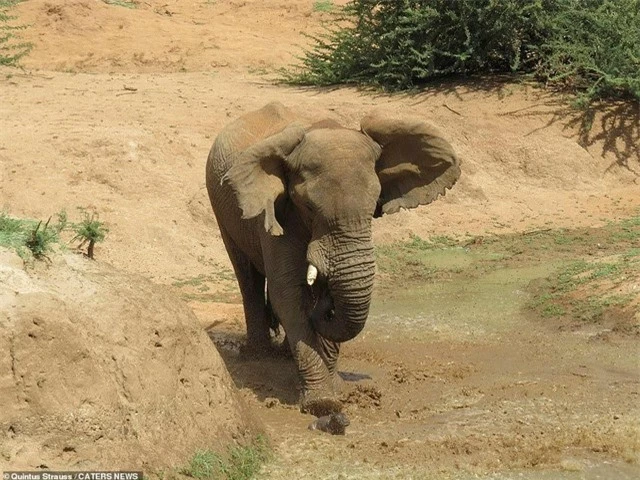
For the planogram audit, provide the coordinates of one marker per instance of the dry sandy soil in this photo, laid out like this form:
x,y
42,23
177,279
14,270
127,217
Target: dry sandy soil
x,y
116,112
99,368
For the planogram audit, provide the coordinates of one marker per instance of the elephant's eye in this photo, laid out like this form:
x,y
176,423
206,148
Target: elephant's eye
x,y
309,206
302,200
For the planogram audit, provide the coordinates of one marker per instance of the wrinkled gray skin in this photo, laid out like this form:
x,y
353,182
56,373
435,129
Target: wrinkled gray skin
x,y
288,195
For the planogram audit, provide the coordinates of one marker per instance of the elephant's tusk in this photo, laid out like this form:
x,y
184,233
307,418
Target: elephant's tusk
x,y
312,273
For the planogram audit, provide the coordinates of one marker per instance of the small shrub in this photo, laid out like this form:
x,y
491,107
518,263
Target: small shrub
x,y
90,231
401,44
593,47
11,48
34,239
63,221
40,239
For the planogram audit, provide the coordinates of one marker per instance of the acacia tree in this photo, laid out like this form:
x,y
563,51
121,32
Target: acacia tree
x,y
589,46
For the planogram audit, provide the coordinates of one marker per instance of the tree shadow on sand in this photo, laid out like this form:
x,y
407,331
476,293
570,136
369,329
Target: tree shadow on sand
x,y
613,126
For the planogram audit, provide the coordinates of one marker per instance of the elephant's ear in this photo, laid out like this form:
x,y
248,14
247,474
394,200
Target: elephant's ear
x,y
258,177
416,164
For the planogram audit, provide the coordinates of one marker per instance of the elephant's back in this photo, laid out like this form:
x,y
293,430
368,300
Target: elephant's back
x,y
248,130
234,139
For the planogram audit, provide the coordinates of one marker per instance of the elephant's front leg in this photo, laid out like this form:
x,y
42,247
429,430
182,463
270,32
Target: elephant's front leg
x,y
315,358
330,352
317,367
285,268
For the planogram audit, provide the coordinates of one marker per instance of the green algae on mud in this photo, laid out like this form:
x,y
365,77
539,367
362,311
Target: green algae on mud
x,y
579,274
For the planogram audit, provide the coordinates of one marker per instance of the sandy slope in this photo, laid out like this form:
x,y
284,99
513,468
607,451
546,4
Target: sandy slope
x,y
166,36
133,145
133,148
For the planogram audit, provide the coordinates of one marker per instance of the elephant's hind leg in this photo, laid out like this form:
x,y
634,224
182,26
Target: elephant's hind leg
x,y
252,284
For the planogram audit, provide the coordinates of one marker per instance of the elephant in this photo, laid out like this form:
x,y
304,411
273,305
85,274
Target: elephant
x,y
294,200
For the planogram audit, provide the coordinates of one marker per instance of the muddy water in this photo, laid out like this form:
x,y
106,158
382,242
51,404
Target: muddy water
x,y
582,471
471,308
451,380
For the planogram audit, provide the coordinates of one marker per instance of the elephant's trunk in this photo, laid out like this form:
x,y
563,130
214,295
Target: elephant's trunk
x,y
341,313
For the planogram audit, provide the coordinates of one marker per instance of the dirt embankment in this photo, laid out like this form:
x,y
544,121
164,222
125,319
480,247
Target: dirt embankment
x,y
100,368
165,36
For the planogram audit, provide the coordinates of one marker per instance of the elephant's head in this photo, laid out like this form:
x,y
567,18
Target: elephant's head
x,y
336,180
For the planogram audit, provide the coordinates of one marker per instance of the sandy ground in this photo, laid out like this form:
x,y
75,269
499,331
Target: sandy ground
x,y
116,112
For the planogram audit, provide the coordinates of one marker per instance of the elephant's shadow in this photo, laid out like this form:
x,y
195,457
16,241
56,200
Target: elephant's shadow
x,y
270,375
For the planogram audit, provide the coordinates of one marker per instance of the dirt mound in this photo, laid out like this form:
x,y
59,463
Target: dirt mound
x,y
101,369
163,36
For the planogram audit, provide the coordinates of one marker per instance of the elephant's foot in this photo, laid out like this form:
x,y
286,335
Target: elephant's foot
x,y
319,403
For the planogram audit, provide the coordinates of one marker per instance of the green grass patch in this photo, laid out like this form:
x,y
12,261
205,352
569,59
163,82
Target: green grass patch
x,y
31,239
204,465
239,463
198,288
323,6
632,253
491,252
434,242
222,274
419,259
122,3
627,230
218,297
13,231
193,282
584,290
595,266
553,310
592,309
